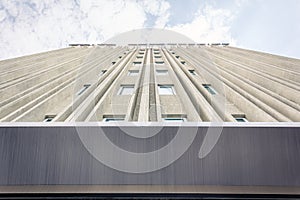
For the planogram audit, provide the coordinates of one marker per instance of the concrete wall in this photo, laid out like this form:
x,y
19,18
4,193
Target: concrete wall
x,y
258,86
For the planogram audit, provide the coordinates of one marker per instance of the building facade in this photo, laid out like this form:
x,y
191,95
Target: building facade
x,y
150,83
150,121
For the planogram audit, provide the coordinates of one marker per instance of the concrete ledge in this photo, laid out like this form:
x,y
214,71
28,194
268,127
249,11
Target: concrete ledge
x,y
183,189
140,124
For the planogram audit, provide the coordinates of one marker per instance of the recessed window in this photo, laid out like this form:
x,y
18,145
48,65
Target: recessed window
x,y
133,72
161,72
113,118
83,89
182,62
159,62
240,117
156,52
174,118
139,56
173,52
126,90
210,89
120,57
141,53
166,90
137,63
192,71
177,56
103,72
49,118
157,56
113,62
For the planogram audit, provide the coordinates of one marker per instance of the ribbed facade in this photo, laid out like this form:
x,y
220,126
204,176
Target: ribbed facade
x,y
149,83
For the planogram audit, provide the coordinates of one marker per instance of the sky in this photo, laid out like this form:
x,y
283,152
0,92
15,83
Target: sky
x,y
32,26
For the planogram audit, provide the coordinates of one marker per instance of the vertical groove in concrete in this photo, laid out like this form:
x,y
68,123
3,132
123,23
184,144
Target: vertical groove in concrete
x,y
142,110
30,59
87,108
276,70
153,104
56,92
218,104
101,89
263,73
273,100
204,110
135,107
247,97
94,66
281,61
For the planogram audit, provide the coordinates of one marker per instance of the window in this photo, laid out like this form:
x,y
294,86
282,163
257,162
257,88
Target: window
x,y
139,56
137,63
103,72
174,118
157,56
120,57
113,118
126,90
240,117
113,62
161,72
210,89
182,62
83,89
192,71
166,90
133,72
49,118
159,62
156,52
177,56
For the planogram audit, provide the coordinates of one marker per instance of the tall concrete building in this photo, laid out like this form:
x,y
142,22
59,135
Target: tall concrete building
x,y
150,83
150,121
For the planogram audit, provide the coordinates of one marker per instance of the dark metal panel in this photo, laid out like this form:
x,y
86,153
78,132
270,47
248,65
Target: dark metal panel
x,y
255,156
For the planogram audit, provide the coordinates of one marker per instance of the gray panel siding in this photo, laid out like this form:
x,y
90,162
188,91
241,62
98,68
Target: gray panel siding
x,y
253,156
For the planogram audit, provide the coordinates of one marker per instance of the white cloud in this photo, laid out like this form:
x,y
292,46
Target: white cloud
x,y
2,15
33,26
108,18
240,3
209,25
159,9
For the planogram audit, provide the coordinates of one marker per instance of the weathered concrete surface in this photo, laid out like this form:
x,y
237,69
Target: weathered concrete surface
x,y
258,86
